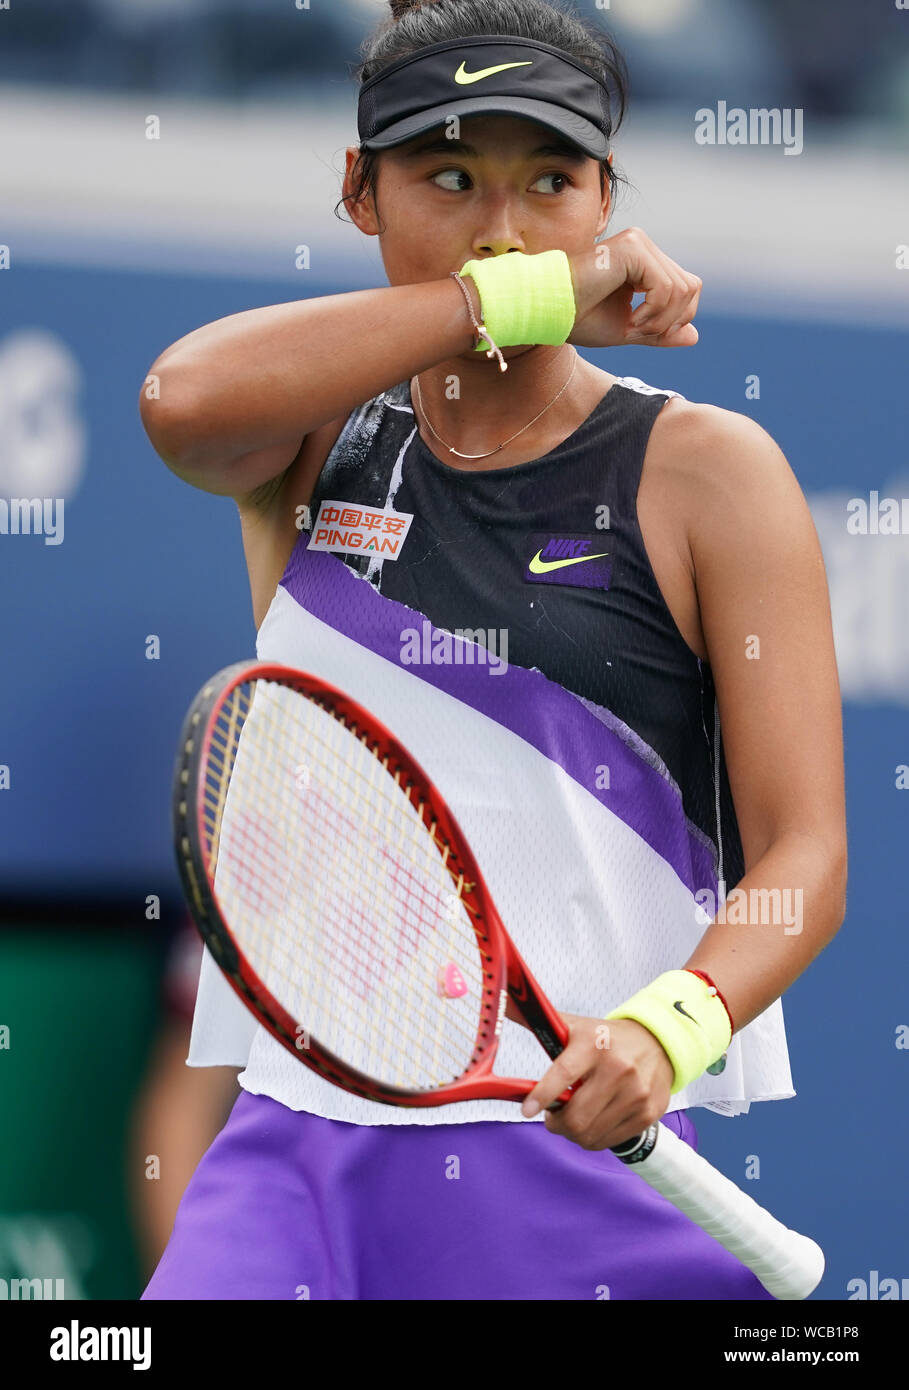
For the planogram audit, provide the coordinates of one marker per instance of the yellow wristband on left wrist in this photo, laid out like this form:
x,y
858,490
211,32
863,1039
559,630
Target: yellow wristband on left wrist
x,y
686,1018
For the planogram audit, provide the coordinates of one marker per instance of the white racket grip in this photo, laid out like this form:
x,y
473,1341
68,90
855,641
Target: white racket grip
x,y
788,1264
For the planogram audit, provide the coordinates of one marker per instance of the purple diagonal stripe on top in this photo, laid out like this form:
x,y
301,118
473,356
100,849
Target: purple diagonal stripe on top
x,y
547,717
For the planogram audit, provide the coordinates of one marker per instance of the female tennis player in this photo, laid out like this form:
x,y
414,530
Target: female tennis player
x,y
437,489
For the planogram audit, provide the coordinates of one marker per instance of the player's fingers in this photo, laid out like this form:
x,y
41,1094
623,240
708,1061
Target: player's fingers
x,y
694,299
659,312
678,335
682,333
567,1069
612,1124
669,290
647,271
606,1096
580,1115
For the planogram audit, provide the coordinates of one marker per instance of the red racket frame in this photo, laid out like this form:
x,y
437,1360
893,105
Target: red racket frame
x,y
505,973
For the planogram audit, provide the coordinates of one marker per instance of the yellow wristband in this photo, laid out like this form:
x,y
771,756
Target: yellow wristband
x,y
690,1022
524,299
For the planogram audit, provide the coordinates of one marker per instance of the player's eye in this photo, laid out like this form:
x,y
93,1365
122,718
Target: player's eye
x,y
453,175
555,174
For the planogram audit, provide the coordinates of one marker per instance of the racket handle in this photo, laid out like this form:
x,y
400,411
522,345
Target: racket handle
x,y
788,1264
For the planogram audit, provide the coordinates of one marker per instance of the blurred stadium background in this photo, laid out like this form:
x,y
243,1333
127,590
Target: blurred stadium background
x,y
118,245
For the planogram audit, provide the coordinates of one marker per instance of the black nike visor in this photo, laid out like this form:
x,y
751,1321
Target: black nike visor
x,y
485,75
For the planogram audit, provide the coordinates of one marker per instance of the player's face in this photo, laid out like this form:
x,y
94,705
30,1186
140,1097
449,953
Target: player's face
x,y
503,184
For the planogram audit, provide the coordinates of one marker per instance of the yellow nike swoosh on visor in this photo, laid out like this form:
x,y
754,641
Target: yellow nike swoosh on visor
x,y
464,77
538,566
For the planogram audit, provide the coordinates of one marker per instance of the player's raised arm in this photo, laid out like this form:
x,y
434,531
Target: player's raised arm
x,y
228,406
231,403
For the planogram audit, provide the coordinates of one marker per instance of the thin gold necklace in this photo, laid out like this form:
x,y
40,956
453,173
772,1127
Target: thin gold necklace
x,y
507,441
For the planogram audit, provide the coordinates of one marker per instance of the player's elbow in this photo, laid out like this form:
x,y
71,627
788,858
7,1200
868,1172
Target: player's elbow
x,y
839,878
818,862
831,873
168,418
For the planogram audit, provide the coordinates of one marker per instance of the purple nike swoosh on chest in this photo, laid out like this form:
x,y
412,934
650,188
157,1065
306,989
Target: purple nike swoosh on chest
x,y
567,558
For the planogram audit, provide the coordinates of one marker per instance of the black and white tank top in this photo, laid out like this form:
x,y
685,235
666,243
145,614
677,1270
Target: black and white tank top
x,y
507,625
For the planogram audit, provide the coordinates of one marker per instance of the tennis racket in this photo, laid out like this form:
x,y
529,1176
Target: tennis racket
x,y
336,892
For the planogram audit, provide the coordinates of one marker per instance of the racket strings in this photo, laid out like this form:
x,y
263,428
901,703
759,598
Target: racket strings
x,y
364,964
424,908
233,716
362,946
367,960
227,746
336,891
351,833
274,949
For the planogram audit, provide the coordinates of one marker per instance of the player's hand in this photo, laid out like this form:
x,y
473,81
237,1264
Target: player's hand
x,y
627,1080
605,279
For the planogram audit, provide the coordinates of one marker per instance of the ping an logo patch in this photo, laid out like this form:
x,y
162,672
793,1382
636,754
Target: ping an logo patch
x,y
561,557
344,528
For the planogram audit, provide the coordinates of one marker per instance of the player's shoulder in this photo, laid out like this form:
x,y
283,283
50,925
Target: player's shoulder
x,y
713,451
698,428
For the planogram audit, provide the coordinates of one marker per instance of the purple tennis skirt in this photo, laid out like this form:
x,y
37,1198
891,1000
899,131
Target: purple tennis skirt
x,y
288,1205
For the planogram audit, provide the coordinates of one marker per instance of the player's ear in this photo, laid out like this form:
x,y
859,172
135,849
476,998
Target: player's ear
x,y
359,196
606,207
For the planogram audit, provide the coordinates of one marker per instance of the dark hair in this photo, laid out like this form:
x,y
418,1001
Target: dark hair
x,y
415,24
